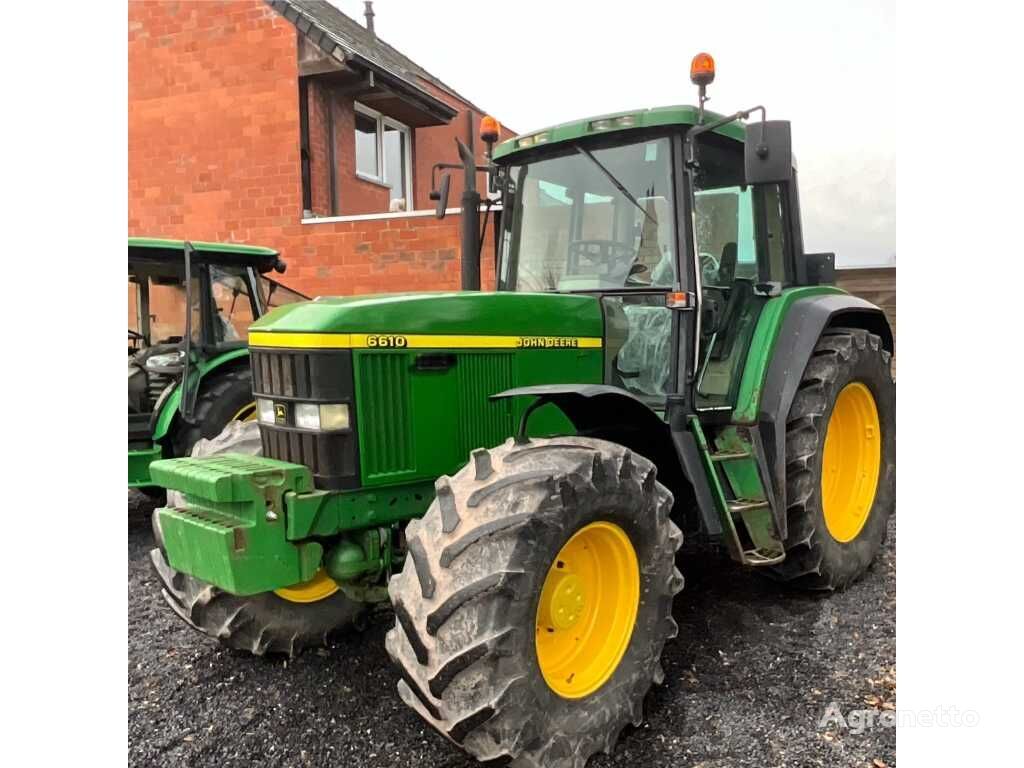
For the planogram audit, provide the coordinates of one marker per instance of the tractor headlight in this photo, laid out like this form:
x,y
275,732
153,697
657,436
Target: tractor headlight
x,y
325,417
316,417
307,416
265,410
166,360
334,416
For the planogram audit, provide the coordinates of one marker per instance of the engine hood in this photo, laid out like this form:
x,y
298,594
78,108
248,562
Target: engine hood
x,y
464,313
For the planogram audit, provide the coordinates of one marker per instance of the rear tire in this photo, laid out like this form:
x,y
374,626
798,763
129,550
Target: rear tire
x,y
815,557
467,599
222,398
258,624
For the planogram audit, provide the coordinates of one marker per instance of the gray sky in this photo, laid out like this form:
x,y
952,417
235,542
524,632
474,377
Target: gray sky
x,y
828,67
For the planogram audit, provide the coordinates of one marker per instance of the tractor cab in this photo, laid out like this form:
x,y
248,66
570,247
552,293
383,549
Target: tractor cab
x,y
189,307
602,207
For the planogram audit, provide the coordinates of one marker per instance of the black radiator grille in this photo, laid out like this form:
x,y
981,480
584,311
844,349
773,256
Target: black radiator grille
x,y
316,376
156,383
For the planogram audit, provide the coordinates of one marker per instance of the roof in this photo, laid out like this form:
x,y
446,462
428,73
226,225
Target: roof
x,y
237,254
616,121
328,28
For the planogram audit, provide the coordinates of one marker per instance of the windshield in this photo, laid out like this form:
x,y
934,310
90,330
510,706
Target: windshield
x,y
600,219
156,303
275,295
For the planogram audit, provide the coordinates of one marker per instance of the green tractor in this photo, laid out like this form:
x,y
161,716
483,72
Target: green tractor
x,y
514,470
226,287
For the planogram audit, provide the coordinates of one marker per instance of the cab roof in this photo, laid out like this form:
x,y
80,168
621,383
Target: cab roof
x,y
630,120
229,254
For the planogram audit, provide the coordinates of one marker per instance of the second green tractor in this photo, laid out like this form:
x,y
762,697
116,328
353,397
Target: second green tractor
x,y
515,470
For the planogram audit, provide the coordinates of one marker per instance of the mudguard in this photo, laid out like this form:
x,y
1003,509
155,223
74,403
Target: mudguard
x,y
613,413
803,325
167,406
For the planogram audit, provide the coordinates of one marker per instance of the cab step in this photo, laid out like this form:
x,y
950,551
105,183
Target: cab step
x,y
744,501
739,506
730,456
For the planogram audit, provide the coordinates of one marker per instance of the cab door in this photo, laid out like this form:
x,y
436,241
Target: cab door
x,y
740,238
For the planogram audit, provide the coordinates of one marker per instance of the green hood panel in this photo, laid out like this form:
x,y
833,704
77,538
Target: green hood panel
x,y
462,312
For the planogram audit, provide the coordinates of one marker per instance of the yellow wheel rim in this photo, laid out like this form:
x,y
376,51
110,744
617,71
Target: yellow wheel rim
x,y
850,464
587,610
321,586
246,413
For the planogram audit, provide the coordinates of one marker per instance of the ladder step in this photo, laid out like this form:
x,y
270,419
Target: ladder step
x,y
747,505
756,557
729,455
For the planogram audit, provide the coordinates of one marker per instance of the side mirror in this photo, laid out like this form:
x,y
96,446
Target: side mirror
x,y
768,152
441,195
820,268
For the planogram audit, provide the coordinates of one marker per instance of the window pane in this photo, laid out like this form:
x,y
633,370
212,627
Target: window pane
x,y
232,303
725,235
638,333
575,229
395,172
366,145
277,295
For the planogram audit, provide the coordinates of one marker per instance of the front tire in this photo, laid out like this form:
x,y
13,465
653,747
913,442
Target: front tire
x,y
535,541
840,462
286,621
223,398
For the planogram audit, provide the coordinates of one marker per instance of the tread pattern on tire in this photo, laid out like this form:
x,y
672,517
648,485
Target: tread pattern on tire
x,y
813,560
258,624
210,392
466,666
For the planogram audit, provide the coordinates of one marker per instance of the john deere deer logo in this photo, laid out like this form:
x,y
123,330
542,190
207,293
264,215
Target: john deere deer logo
x,y
280,413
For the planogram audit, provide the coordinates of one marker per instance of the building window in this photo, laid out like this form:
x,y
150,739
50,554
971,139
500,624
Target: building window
x,y
383,155
367,156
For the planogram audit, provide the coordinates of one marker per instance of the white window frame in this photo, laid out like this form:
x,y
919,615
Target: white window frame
x,y
382,121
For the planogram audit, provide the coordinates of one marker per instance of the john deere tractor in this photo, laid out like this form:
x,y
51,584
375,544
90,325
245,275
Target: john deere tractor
x,y
188,371
514,470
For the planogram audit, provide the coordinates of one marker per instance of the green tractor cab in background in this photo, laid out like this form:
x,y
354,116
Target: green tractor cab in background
x,y
188,371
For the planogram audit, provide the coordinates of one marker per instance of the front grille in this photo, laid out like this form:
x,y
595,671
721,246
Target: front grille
x,y
156,383
384,379
483,422
294,376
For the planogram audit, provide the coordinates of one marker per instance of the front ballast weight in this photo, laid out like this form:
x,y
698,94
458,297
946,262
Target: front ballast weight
x,y
250,525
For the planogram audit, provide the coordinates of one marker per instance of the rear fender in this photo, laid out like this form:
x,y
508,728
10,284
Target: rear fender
x,y
803,325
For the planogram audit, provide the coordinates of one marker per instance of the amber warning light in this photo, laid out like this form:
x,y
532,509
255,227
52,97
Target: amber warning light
x,y
702,69
488,129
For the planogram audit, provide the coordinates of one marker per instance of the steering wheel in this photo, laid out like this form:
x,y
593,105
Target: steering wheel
x,y
135,335
709,266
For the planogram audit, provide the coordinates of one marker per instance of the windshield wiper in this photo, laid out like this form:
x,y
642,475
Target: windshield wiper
x,y
615,182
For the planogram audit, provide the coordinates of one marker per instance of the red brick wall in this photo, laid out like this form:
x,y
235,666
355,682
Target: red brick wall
x,y
213,126
404,253
213,121
319,156
437,144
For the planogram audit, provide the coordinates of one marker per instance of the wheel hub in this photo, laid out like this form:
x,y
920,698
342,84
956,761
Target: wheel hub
x,y
320,587
587,610
567,602
850,463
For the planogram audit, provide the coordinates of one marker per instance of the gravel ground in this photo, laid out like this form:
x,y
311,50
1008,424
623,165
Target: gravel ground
x,y
747,681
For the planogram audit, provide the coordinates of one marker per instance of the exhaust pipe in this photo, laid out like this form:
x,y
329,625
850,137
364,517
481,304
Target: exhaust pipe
x,y
470,239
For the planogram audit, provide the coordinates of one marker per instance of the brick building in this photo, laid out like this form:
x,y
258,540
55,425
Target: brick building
x,y
285,123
